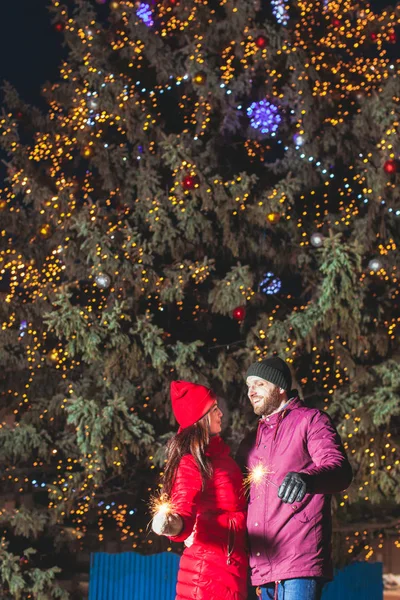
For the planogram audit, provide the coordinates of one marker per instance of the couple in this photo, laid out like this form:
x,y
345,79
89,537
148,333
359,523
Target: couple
x,y
294,461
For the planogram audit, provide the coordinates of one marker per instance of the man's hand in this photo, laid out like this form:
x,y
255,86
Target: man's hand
x,y
164,524
293,488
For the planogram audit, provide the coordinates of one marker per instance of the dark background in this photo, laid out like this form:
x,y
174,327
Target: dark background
x,y
30,49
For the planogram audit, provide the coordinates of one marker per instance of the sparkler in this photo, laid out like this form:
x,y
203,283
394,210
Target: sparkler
x,y
165,521
258,474
161,505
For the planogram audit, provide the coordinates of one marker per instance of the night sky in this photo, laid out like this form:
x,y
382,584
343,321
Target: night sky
x,y
30,49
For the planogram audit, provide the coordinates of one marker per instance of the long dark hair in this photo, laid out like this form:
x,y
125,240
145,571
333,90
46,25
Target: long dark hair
x,y
191,440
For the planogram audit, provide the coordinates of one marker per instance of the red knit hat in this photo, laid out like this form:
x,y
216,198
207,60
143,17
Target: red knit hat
x,y
190,402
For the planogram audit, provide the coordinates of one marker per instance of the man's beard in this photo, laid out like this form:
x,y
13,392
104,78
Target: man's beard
x,y
269,403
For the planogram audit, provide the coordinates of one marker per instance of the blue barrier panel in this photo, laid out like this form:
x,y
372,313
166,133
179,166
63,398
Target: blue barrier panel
x,y
131,576
358,581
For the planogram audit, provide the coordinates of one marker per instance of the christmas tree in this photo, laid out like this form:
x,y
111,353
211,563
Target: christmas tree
x,y
213,181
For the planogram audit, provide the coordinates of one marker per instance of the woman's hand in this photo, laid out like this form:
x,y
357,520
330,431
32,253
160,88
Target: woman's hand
x,y
165,524
189,541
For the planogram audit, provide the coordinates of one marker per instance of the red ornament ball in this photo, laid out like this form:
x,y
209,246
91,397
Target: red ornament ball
x,y
374,36
390,167
392,37
189,182
239,313
59,27
336,22
261,41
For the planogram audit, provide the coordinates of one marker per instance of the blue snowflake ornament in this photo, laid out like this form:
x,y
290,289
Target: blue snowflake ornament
x,y
145,14
280,11
264,116
270,284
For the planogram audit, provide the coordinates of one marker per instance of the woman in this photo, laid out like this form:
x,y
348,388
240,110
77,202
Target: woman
x,y
205,488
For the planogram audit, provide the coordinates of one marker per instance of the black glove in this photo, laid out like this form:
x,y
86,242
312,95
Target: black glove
x,y
294,487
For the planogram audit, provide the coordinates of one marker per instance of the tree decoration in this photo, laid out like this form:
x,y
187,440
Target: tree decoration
x,y
261,41
280,11
270,284
317,239
200,78
189,182
390,167
145,14
45,231
298,139
52,355
87,152
264,116
375,265
22,328
59,27
3,204
273,217
102,280
239,313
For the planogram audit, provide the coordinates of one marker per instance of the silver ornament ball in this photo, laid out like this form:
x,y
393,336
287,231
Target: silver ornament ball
x,y
298,139
375,264
317,240
102,280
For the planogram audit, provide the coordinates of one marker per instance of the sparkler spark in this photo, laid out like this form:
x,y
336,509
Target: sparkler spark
x,y
161,505
258,474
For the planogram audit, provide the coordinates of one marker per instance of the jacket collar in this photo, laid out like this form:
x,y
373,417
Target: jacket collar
x,y
276,419
293,402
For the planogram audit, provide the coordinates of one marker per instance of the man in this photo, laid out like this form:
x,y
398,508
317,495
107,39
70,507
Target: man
x,y
294,461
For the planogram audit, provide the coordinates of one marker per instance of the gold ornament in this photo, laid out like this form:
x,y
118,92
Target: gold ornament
x,y
200,78
273,217
86,152
3,205
45,231
53,355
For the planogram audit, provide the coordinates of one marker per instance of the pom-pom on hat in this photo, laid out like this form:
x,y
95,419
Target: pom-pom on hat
x,y
190,402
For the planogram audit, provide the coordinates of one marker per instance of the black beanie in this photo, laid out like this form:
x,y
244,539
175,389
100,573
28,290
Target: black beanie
x,y
274,370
